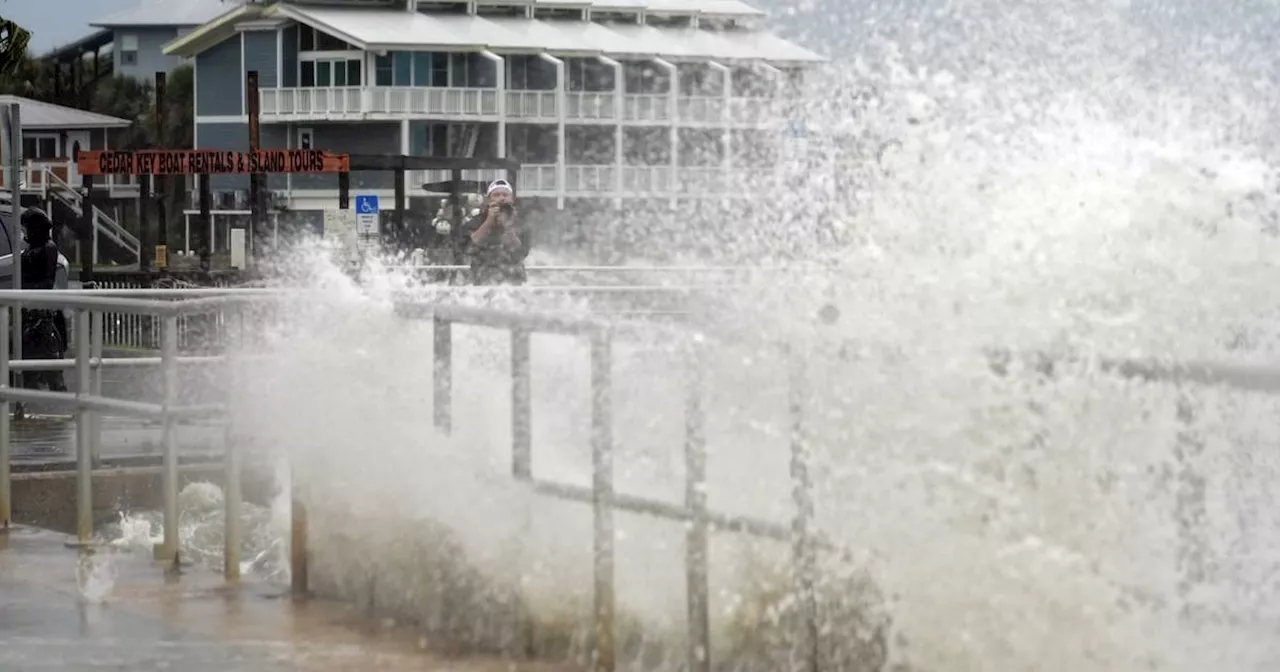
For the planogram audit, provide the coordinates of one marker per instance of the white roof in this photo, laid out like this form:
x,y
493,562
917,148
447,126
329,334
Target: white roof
x,y
38,115
168,13
382,29
708,7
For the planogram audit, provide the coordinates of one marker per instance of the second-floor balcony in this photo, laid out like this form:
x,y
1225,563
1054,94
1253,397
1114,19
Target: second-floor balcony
x,y
481,104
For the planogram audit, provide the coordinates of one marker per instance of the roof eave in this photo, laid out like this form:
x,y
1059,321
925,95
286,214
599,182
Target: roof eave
x,y
92,125
426,46
221,27
292,12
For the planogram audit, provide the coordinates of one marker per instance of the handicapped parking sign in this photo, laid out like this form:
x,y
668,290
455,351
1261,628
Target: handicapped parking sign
x,y
367,204
367,214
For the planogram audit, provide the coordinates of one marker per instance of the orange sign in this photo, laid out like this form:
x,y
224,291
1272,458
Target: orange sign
x,y
210,161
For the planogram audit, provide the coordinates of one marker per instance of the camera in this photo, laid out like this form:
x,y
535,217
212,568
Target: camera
x,y
507,209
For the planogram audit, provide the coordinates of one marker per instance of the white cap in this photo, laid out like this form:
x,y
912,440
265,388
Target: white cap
x,y
498,184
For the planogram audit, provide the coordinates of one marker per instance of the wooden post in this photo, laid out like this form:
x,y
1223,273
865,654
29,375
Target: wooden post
x,y
256,212
87,234
204,246
159,183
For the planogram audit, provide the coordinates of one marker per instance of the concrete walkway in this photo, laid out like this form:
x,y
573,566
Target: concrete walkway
x,y
137,620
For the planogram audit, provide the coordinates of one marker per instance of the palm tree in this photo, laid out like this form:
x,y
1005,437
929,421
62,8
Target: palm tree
x,y
14,40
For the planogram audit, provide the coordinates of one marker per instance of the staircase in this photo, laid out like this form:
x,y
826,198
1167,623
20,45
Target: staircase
x,y
462,140
111,242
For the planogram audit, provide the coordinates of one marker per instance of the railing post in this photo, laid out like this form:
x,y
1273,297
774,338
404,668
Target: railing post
x,y
442,376
170,556
1193,563
84,434
298,534
96,337
231,492
6,446
695,497
604,654
521,405
803,547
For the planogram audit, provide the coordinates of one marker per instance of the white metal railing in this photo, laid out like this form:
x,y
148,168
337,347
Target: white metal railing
x,y
532,105
700,109
589,179
451,101
482,103
755,111
539,179
646,107
414,179
646,180
590,105
340,102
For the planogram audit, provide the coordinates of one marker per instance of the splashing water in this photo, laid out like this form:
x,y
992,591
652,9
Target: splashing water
x,y
1033,176
201,533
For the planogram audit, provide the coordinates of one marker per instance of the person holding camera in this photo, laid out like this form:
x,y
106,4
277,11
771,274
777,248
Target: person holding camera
x,y
497,243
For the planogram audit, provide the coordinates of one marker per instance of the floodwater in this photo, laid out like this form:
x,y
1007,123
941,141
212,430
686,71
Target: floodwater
x,y
111,610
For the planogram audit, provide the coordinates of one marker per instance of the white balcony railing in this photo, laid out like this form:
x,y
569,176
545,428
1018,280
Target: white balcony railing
x,y
440,102
540,179
313,103
588,106
646,107
599,181
398,102
532,105
414,179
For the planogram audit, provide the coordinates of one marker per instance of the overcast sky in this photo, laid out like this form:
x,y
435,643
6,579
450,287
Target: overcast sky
x,y
55,22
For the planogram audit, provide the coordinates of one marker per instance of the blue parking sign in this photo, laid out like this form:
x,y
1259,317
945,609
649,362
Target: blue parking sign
x,y
366,204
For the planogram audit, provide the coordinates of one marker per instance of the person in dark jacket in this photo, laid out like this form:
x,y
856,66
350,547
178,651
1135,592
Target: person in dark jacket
x,y
497,243
44,332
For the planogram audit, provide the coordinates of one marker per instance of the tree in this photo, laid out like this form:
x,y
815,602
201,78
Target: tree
x,y
14,41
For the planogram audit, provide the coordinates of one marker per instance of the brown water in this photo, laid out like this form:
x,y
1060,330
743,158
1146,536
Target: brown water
x,y
115,611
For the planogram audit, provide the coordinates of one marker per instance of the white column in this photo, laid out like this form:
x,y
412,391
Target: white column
x,y
726,120
280,58
405,149
775,81
370,78
562,86
500,66
619,100
673,113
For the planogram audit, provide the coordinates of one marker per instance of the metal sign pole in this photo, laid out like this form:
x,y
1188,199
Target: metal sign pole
x,y
13,137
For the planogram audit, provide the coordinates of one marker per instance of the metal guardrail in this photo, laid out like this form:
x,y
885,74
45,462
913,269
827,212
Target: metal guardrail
x,y
88,403
139,331
807,541
602,495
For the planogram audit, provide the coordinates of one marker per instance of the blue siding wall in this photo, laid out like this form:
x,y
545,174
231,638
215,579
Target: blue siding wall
x,y
366,137
272,136
290,57
233,136
260,55
149,58
220,80
361,138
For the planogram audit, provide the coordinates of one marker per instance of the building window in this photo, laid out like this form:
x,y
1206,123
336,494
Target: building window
x,y
40,147
310,39
304,138
402,63
323,72
128,50
383,70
